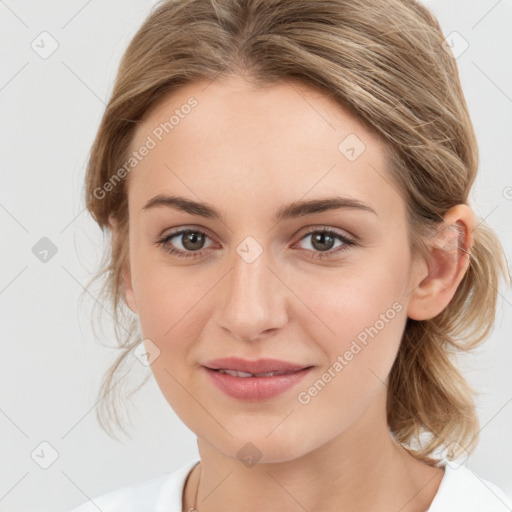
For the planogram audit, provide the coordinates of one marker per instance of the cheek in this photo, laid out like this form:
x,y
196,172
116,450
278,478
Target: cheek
x,y
169,299
173,309
367,317
359,318
346,301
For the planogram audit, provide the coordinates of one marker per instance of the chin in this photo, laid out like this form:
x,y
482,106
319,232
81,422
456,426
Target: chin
x,y
264,449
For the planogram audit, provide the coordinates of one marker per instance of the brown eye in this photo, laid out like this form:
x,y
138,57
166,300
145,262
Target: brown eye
x,y
324,240
191,241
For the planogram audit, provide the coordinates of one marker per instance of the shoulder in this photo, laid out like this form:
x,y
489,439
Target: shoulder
x,y
462,489
159,494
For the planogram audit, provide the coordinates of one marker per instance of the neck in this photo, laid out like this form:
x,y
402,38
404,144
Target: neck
x,y
363,468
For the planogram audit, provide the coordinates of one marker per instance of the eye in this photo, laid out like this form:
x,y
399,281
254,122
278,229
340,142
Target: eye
x,y
323,240
192,243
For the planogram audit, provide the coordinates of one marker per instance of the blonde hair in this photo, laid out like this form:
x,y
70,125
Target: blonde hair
x,y
384,60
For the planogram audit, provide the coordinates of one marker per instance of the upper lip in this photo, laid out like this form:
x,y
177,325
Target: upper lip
x,y
257,366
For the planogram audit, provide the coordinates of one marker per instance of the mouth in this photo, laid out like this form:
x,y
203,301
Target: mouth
x,y
255,380
236,373
259,367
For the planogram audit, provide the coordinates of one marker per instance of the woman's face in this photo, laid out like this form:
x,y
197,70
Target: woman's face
x,y
257,278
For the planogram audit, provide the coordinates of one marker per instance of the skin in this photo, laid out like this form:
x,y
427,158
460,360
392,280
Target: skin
x,y
248,152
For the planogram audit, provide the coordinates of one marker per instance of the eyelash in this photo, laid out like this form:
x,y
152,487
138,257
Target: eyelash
x,y
164,243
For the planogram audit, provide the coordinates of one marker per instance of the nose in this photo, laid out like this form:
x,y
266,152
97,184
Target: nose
x,y
253,301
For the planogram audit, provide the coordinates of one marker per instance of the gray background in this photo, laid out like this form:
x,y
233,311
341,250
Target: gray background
x,y
51,364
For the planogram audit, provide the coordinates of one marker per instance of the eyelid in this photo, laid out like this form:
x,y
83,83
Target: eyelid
x,y
324,227
187,227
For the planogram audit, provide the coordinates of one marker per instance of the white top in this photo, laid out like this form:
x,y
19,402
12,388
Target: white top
x,y
461,490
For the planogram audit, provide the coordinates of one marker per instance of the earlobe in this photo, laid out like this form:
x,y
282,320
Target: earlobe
x,y
447,263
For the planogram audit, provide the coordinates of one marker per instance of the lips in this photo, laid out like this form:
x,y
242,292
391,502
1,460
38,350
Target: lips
x,y
254,380
258,368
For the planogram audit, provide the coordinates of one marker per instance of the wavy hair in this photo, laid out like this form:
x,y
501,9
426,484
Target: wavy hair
x,y
386,62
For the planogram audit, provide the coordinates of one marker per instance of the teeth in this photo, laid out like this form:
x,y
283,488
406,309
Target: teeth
x,y
235,373
271,374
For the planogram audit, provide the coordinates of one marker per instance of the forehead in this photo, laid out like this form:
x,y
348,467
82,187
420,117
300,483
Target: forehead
x,y
279,143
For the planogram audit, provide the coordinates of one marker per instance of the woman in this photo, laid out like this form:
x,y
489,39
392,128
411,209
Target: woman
x,y
286,184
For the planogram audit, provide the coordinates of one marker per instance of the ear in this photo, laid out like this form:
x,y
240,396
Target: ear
x,y
123,254
446,264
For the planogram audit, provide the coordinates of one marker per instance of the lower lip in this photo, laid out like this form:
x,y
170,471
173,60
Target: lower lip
x,y
255,388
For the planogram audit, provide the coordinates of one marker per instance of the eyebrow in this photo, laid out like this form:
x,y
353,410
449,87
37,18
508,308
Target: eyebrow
x,y
295,209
